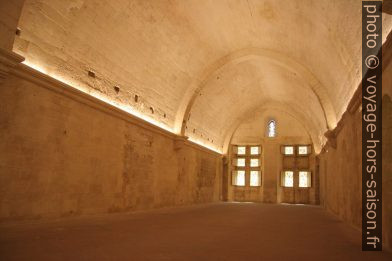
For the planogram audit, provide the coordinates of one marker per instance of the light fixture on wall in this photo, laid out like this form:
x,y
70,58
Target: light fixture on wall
x,y
203,144
98,95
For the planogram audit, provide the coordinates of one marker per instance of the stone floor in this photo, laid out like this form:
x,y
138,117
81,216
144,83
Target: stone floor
x,y
225,231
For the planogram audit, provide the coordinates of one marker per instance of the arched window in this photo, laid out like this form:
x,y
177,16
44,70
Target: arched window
x,y
271,129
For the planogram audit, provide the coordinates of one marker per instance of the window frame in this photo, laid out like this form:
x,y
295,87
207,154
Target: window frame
x,y
282,150
259,150
234,177
259,179
283,178
235,152
247,168
250,162
235,161
268,129
309,150
310,178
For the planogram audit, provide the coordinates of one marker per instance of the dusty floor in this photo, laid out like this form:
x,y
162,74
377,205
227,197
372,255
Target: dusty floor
x,y
225,231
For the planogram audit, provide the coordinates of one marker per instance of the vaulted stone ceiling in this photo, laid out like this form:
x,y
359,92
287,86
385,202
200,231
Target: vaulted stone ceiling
x,y
199,67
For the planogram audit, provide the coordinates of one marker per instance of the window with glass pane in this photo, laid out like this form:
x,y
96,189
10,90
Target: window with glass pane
x,y
289,150
241,150
254,178
304,179
254,162
288,179
246,165
240,178
303,150
254,150
241,162
271,128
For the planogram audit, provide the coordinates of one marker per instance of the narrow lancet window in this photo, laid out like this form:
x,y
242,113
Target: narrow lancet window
x,y
271,128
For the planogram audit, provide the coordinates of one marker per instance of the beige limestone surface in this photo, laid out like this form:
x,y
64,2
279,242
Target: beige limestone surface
x,y
202,66
63,155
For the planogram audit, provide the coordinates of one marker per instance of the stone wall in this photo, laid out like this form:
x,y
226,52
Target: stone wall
x,y
340,171
10,12
341,159
290,131
64,153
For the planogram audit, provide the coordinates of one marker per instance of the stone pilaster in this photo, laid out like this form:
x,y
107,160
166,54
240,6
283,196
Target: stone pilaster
x,y
179,142
8,61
